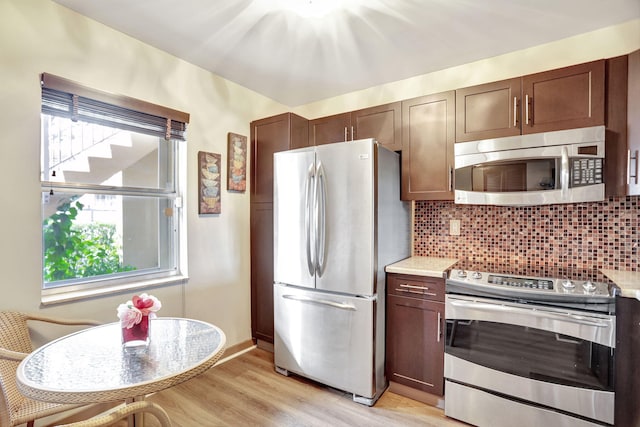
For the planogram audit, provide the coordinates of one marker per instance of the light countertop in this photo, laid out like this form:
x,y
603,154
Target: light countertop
x,y
422,266
627,281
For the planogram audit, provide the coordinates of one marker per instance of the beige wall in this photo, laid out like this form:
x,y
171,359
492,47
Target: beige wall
x,y
40,36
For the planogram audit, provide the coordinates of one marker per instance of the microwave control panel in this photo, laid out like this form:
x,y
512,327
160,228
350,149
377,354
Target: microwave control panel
x,y
586,171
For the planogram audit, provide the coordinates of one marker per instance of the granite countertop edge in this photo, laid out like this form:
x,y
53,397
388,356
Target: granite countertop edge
x,y
627,281
422,266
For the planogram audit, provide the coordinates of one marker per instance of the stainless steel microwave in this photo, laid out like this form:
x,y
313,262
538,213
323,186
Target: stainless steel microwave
x,y
536,169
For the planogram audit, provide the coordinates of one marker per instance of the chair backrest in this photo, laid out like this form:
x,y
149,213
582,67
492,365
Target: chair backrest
x,y
14,335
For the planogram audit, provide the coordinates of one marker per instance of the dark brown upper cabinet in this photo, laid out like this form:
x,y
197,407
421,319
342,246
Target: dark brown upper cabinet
x,y
622,137
566,98
382,122
327,130
427,147
488,111
268,136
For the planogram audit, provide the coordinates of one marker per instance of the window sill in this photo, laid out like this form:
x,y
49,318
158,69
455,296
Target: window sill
x,y
71,296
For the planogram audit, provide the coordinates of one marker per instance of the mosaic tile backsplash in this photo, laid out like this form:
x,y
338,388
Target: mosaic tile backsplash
x,y
569,240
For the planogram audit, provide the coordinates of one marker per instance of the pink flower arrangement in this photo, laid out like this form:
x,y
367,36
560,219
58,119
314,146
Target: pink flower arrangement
x,y
131,312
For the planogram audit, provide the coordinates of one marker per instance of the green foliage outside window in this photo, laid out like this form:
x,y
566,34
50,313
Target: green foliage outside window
x,y
78,250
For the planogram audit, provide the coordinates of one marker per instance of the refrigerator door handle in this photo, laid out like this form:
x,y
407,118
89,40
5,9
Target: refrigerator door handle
x,y
308,221
321,199
334,304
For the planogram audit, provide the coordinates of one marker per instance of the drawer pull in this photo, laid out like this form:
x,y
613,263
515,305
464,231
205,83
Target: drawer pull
x,y
404,285
413,291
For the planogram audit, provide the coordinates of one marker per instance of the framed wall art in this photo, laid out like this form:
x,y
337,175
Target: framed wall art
x,y
236,162
208,183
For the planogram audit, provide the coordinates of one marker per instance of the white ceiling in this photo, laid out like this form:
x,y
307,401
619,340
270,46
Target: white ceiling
x,y
266,47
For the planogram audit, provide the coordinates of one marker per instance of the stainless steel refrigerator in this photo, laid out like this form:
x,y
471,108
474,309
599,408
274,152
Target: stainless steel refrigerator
x,y
338,221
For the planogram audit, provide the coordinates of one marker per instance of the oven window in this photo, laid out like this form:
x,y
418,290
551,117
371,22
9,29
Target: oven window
x,y
509,176
532,353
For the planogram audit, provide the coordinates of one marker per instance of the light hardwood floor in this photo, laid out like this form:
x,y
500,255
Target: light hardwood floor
x,y
246,391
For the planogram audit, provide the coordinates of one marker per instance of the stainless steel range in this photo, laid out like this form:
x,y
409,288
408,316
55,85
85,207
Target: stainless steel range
x,y
529,351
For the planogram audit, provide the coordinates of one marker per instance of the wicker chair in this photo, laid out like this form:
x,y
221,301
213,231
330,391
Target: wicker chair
x,y
15,344
124,411
16,409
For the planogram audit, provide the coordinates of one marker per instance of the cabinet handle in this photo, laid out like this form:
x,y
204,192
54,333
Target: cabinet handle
x,y
345,134
515,111
352,134
635,158
439,326
526,109
421,290
450,178
411,291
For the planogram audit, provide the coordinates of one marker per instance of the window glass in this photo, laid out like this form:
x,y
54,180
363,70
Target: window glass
x,y
108,204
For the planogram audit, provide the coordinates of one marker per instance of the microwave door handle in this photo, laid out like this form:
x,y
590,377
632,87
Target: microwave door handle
x,y
564,173
308,220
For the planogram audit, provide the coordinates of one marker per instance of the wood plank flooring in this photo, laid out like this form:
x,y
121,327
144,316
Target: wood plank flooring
x,y
246,391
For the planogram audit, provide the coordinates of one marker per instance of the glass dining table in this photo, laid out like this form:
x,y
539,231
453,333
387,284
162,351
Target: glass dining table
x,y
92,366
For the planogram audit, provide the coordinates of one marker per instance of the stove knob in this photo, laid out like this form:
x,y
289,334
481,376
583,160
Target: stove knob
x,y
568,284
588,286
462,274
476,275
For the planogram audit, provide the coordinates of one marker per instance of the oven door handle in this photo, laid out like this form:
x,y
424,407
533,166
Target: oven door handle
x,y
569,317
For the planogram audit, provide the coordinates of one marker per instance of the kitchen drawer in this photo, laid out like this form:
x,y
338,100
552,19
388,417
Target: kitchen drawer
x,y
431,288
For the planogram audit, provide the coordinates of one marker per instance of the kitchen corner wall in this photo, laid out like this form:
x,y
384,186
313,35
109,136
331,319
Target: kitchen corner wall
x,y
543,240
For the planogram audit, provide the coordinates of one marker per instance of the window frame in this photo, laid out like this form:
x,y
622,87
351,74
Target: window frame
x,y
166,123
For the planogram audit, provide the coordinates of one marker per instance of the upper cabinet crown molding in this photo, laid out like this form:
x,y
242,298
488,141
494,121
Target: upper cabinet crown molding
x,y
565,98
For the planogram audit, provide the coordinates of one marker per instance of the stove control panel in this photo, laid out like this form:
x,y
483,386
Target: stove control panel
x,y
521,282
523,285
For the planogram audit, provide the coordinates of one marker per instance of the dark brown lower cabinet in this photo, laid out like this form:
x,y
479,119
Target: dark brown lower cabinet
x,y
627,410
262,271
415,337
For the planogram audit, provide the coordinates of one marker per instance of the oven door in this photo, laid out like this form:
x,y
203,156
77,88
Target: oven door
x,y
556,358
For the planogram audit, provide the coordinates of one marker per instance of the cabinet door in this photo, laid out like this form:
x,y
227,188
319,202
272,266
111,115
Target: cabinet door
x,y
570,97
415,343
489,110
326,130
267,137
616,168
633,124
262,271
427,147
383,122
627,410
299,131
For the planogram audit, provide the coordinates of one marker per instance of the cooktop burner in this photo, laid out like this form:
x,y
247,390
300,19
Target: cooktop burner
x,y
527,288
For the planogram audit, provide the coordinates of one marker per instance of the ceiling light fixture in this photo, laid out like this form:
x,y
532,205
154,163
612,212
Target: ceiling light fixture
x,y
312,8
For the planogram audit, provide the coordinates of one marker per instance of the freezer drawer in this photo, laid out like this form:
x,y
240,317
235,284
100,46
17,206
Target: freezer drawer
x,y
327,337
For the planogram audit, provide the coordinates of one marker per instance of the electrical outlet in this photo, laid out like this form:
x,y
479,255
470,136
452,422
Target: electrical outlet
x,y
454,227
